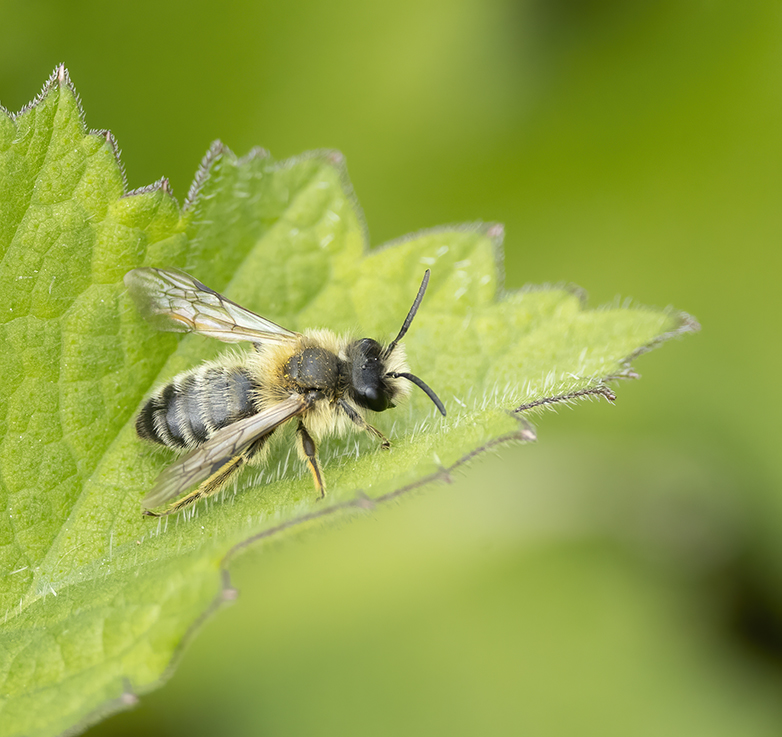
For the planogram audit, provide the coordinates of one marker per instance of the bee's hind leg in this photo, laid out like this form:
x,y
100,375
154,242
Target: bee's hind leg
x,y
216,482
308,452
209,487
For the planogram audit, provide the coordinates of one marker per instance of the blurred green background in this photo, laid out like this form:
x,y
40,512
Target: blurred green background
x,y
623,576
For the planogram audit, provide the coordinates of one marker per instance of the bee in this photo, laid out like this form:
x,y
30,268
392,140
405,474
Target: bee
x,y
222,414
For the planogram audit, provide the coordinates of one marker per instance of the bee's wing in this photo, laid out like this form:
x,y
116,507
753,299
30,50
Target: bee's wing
x,y
225,444
176,302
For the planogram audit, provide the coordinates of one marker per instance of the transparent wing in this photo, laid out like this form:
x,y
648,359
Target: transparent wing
x,y
174,301
230,441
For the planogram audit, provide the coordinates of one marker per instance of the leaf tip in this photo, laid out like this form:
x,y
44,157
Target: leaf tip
x,y
162,185
60,81
108,136
527,433
257,152
229,592
216,151
58,78
336,157
496,231
128,696
688,323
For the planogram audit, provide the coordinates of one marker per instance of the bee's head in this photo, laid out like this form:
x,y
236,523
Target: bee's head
x,y
369,387
374,375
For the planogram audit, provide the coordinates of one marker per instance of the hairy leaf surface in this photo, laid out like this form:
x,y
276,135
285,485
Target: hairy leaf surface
x,y
95,601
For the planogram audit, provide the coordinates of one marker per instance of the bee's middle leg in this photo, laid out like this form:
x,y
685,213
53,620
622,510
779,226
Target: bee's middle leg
x,y
308,452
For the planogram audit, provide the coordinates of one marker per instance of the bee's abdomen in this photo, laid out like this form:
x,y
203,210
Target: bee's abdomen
x,y
188,411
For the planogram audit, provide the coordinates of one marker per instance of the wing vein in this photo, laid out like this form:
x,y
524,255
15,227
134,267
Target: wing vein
x,y
174,301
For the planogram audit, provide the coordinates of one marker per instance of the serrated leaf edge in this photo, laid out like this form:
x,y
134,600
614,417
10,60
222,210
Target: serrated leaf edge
x,y
524,434
495,231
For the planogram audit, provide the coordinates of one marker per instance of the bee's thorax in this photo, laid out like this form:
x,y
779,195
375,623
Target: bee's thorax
x,y
315,368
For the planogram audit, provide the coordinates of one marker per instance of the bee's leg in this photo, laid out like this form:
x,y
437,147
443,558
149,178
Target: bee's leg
x,y
211,486
216,481
385,443
308,452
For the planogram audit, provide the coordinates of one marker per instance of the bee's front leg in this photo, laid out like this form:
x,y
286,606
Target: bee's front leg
x,y
308,452
355,417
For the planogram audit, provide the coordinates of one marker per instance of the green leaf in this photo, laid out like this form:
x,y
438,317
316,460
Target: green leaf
x,y
96,601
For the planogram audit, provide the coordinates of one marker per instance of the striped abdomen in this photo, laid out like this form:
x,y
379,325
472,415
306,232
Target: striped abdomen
x,y
187,412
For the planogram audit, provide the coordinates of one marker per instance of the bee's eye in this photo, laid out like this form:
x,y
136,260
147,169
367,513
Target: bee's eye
x,y
371,398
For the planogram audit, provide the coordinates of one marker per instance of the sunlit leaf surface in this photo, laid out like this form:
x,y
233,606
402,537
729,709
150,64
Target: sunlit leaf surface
x,y
95,600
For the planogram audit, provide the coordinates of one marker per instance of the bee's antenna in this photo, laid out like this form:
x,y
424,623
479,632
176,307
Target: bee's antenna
x,y
420,382
408,320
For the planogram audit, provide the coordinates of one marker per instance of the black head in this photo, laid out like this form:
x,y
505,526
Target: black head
x,y
370,385
369,389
